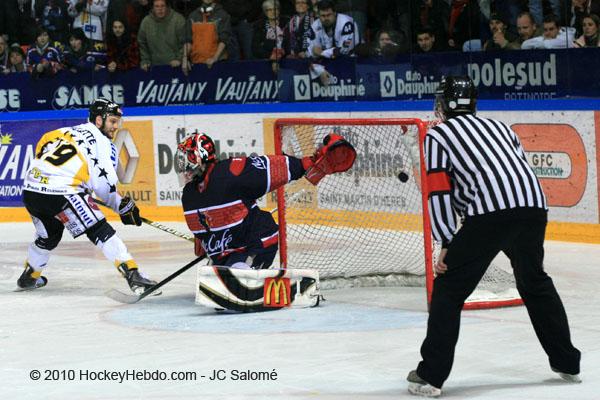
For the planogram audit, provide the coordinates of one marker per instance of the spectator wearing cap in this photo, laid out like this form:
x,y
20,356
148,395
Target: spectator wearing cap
x,y
81,55
43,60
501,37
554,37
16,59
161,37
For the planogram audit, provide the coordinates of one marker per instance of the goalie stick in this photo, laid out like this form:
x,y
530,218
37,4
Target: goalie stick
x,y
158,225
121,297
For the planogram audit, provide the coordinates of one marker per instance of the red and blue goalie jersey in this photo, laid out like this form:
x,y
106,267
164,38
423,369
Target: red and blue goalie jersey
x,y
220,208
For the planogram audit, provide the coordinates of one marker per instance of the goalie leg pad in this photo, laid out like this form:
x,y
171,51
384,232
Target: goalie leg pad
x,y
246,290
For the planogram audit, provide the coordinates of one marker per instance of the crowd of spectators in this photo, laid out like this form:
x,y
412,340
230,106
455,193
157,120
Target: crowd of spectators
x,y
46,36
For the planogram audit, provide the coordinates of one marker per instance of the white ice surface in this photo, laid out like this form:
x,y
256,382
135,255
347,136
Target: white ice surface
x,y
359,345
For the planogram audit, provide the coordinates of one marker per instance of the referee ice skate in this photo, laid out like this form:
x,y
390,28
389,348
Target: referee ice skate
x,y
69,164
477,170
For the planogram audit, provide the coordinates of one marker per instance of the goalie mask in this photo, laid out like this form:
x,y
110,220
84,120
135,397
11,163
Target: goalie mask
x,y
193,155
456,95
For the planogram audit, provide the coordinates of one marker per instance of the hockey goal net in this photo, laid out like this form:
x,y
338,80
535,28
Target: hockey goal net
x,y
370,225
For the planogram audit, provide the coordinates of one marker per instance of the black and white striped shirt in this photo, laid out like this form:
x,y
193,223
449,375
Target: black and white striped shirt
x,y
476,166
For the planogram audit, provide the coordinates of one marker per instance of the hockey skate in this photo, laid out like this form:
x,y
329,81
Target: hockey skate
x,y
419,387
136,280
31,279
572,378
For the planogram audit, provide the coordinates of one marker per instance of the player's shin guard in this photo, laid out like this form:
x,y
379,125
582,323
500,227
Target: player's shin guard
x,y
249,290
37,257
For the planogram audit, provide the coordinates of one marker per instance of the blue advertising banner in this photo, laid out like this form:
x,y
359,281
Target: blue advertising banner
x,y
17,149
510,75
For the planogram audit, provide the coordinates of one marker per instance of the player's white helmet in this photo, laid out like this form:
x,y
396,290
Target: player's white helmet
x,y
193,155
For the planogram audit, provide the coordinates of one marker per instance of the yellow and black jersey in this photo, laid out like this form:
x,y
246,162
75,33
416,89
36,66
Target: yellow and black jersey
x,y
73,160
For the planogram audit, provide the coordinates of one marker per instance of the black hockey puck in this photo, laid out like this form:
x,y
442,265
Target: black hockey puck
x,y
403,177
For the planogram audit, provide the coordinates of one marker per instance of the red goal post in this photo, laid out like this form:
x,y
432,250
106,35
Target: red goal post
x,y
368,223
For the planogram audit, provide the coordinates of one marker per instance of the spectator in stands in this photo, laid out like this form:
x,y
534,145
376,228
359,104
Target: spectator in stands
x,y
82,55
554,37
333,34
185,7
509,9
90,16
426,41
121,48
130,12
267,42
161,37
590,37
580,9
465,22
243,13
296,35
17,21
357,10
537,10
54,16
4,56
501,38
207,33
431,14
17,59
385,45
527,29
43,60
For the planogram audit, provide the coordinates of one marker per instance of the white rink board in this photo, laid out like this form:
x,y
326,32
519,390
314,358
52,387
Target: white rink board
x,y
243,133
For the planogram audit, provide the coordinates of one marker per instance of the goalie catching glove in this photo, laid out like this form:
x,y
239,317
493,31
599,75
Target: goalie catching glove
x,y
129,212
335,155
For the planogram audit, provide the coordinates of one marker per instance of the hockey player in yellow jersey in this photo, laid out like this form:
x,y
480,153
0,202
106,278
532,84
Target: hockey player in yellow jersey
x,y
71,163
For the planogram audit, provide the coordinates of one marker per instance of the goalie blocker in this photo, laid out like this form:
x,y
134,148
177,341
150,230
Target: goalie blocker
x,y
248,290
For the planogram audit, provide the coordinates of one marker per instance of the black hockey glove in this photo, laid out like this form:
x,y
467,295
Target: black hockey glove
x,y
129,213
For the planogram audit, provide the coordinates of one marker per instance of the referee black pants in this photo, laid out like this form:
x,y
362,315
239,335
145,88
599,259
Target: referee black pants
x,y
519,233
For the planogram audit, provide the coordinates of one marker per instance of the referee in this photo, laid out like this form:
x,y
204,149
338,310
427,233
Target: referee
x,y
477,170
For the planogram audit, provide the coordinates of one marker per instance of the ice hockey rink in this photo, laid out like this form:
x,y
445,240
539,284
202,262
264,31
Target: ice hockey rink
x,y
68,340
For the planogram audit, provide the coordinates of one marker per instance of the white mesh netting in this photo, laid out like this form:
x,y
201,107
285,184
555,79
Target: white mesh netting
x,y
364,226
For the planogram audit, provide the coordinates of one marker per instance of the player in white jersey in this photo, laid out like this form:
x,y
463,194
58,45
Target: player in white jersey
x,y
332,34
71,163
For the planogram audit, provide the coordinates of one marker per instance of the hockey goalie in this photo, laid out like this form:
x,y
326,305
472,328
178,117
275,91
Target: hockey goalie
x,y
241,240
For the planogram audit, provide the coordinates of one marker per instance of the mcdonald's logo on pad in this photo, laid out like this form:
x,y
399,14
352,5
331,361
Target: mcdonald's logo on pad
x,y
277,292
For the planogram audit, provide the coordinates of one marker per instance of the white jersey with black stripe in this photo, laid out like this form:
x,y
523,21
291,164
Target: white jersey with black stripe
x,y
488,171
73,160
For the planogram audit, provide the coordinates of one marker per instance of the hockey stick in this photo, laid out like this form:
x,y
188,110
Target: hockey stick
x,y
158,225
132,299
